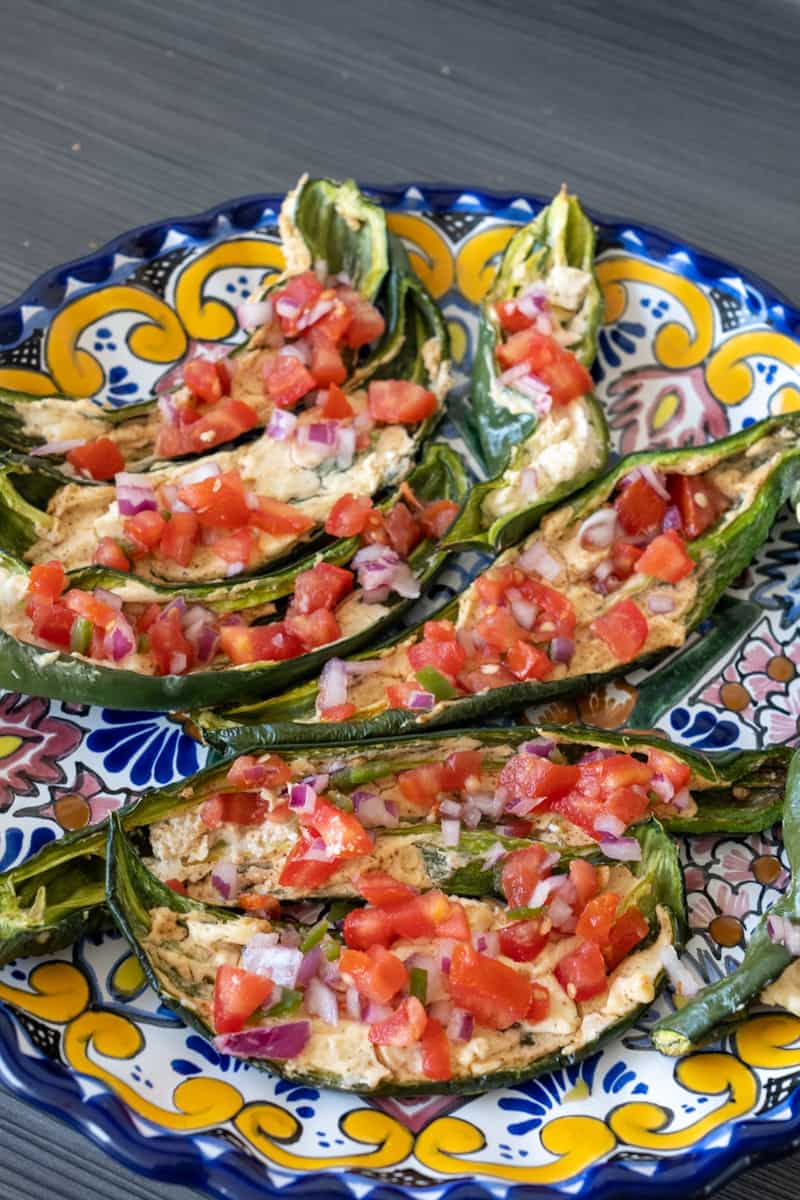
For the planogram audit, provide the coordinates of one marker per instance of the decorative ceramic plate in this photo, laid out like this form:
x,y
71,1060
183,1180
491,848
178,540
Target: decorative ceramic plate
x,y
691,349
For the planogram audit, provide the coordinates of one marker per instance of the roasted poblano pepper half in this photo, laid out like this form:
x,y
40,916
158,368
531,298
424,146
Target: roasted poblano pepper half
x,y
39,670
45,900
322,1040
550,617
769,972
537,450
332,226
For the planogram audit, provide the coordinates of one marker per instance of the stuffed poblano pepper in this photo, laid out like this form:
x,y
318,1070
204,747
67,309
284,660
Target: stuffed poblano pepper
x,y
542,433
769,972
239,510
416,993
615,576
470,813
100,636
337,296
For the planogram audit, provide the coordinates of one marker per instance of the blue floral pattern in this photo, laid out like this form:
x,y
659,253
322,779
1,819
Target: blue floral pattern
x,y
146,745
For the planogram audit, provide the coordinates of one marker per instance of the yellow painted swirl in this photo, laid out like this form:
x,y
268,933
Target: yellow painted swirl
x,y
267,1125
208,319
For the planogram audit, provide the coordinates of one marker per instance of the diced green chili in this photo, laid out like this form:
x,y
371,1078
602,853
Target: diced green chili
x,y
314,936
418,983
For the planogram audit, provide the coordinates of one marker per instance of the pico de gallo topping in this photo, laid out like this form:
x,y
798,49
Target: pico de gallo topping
x,y
175,638
428,974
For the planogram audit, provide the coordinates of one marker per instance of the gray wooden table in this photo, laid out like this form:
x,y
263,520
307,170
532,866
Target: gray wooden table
x,y
685,115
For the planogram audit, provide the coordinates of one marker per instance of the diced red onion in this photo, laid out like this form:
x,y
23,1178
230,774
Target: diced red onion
x,y
460,1025
302,798
562,649
280,963
655,479
544,890
466,640
494,854
323,433
110,598
376,595
373,811
471,816
329,973
518,371
435,985
225,878
534,300
332,685
290,938
203,470
169,493
536,557
286,307
487,943
345,446
134,495
625,849
526,804
598,755
120,640
683,978
299,350
352,1002
608,823
320,1001
364,667
524,611
317,311
306,912
421,701
317,851
561,915
277,1042
309,966
168,409
451,831
660,602
450,808
681,799
372,1012
282,424
253,313
488,805
662,787
319,782
672,519
544,324
440,1011
57,447
533,388
541,747
599,529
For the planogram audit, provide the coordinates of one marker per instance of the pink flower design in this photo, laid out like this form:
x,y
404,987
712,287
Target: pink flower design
x,y
730,903
750,670
639,399
701,910
695,879
737,863
32,744
780,716
88,787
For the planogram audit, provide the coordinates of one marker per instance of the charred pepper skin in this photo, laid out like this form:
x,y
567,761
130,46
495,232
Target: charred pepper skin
x,y
132,892
718,1008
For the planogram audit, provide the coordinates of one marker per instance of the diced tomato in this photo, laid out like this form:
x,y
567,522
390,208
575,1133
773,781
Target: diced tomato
x,y
144,529
500,629
173,654
557,367
259,643
485,677
235,808
556,616
447,657
624,557
322,586
315,629
640,509
204,380
87,605
287,380
255,902
53,623
495,994
511,317
404,1027
101,459
342,832
277,518
237,995
403,529
366,322
460,766
378,975
236,549
623,628
383,890
173,440
305,874
180,538
666,558
662,763
334,324
327,365
619,771
349,515
150,614
365,927
699,502
399,402
223,423
421,785
529,777
455,925
626,933
333,404
584,876
524,940
528,662
271,772
493,584
594,923
109,553
436,1052
296,296
175,885
46,581
439,631
582,972
339,712
437,517
522,870
429,915
539,1007
219,502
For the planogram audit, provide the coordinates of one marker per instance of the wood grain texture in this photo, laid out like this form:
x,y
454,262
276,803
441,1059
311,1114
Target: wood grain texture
x,y
685,115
